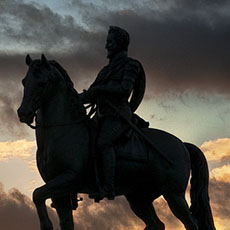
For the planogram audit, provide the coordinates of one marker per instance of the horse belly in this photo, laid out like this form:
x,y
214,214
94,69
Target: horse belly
x,y
139,177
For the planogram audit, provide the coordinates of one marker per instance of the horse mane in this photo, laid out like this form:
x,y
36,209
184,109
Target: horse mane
x,y
65,75
76,106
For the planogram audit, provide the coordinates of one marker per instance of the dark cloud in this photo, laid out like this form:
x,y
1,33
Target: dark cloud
x,y
182,44
179,55
34,26
95,216
12,70
17,211
10,125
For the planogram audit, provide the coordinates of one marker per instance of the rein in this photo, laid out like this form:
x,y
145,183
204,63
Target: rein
x,y
91,112
56,125
32,126
65,76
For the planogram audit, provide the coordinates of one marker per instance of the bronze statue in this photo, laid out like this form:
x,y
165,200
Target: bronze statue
x,y
66,164
113,85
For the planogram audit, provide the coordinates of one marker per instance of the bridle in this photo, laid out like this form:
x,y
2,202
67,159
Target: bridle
x,y
85,117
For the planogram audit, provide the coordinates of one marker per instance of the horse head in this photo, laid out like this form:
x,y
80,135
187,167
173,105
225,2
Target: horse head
x,y
37,85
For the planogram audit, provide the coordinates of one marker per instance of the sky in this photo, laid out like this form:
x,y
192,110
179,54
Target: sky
x,y
184,47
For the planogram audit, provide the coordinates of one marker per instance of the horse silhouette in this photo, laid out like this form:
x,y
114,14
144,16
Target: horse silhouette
x,y
64,156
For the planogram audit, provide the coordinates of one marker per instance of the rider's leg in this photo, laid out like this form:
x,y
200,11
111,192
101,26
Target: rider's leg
x,y
111,128
109,163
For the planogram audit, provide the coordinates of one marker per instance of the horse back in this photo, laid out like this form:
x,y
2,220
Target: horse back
x,y
162,143
167,145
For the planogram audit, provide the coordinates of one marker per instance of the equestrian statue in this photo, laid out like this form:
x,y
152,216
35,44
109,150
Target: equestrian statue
x,y
108,150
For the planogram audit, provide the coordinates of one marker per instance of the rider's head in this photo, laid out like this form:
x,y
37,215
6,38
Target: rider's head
x,y
117,41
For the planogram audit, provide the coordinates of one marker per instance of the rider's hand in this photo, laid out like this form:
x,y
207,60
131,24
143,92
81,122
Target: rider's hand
x,y
98,89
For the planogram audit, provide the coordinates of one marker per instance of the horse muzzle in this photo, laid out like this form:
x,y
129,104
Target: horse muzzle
x,y
25,116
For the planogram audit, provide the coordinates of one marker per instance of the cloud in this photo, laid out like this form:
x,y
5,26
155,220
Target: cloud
x,y
179,55
90,215
18,212
217,150
217,154
181,44
22,149
9,101
24,22
221,224
221,174
219,196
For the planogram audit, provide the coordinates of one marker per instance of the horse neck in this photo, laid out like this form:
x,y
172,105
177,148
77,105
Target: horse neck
x,y
56,109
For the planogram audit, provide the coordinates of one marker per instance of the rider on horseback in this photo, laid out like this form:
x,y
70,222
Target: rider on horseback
x,y
114,85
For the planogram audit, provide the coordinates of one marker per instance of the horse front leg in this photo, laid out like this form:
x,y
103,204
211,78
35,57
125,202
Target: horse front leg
x,y
63,206
58,187
45,223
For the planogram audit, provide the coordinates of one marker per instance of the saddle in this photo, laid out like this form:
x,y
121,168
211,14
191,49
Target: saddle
x,y
129,145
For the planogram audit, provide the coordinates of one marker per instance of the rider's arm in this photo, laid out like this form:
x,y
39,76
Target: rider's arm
x,y
130,74
87,96
90,95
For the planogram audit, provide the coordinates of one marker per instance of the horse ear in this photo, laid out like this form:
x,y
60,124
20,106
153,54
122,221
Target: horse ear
x,y
28,59
45,61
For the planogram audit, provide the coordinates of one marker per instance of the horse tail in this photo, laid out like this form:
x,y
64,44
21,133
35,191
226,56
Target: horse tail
x,y
200,206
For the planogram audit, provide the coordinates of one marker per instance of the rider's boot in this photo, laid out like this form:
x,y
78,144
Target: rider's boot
x,y
108,165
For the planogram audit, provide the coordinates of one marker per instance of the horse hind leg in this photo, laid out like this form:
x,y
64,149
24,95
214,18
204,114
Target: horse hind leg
x,y
143,208
180,209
